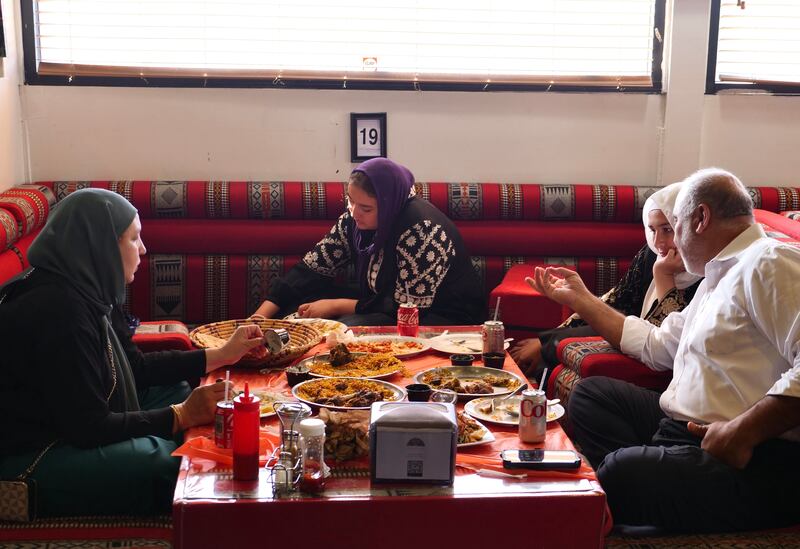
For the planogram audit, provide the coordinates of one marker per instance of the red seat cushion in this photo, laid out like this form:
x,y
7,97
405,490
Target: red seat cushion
x,y
10,265
162,336
783,227
523,306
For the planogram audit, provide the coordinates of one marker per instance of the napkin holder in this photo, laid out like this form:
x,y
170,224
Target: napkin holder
x,y
413,442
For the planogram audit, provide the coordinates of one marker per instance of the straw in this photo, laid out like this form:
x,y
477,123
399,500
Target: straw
x,y
408,294
227,379
541,383
496,309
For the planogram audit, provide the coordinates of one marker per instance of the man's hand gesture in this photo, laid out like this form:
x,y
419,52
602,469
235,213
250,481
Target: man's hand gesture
x,y
559,284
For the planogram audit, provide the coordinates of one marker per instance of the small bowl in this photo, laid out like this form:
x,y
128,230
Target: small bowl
x,y
418,392
494,360
462,360
297,374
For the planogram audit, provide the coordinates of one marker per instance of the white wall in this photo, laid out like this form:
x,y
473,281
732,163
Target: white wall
x,y
127,133
756,137
124,133
12,151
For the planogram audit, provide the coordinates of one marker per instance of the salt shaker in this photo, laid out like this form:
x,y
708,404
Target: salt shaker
x,y
312,446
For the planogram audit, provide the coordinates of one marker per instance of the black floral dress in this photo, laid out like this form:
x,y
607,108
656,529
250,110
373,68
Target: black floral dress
x,y
424,260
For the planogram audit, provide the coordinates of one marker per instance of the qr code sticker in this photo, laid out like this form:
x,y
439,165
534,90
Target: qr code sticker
x,y
415,468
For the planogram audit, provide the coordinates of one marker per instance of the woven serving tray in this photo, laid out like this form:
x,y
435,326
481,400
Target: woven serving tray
x,y
301,338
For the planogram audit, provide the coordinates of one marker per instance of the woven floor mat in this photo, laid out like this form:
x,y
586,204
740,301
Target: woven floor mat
x,y
88,532
762,539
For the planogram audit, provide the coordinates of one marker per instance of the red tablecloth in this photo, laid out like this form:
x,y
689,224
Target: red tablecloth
x,y
204,484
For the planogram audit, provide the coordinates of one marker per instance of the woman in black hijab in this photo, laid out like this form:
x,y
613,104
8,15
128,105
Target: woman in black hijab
x,y
72,378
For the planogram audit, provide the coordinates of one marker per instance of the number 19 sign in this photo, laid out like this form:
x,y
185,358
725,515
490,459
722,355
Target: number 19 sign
x,y
367,135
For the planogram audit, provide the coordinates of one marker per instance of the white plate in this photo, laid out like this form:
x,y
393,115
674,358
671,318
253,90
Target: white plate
x,y
470,344
326,358
273,396
554,412
424,344
471,373
398,392
487,437
324,325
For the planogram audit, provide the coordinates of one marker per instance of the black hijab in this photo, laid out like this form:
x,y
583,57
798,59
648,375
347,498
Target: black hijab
x,y
80,242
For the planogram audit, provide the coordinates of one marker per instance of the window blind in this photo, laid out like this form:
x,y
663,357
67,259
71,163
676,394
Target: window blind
x,y
563,41
759,42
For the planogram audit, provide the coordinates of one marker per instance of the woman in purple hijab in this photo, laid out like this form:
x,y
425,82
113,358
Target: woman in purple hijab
x,y
403,250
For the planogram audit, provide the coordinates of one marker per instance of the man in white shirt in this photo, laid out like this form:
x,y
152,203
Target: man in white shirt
x,y
718,450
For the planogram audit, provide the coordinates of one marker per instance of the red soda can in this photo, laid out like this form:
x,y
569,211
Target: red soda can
x,y
407,320
533,416
223,424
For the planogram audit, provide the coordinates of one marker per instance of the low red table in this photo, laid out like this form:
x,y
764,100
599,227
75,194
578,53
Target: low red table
x,y
541,509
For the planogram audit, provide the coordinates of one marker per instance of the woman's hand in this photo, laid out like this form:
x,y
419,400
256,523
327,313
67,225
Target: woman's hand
x,y
527,354
201,405
327,308
664,270
239,344
669,265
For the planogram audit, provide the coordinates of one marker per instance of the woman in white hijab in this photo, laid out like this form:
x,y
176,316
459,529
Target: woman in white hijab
x,y
669,273
655,285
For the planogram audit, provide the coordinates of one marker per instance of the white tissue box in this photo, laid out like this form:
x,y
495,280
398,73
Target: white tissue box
x,y
413,442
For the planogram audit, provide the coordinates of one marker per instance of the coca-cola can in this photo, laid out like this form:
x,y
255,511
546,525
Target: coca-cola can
x,y
407,320
223,424
533,416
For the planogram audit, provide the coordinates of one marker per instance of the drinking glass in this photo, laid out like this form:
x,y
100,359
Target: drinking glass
x,y
445,396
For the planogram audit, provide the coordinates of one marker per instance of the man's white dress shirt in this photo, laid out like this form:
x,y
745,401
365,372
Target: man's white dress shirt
x,y
737,341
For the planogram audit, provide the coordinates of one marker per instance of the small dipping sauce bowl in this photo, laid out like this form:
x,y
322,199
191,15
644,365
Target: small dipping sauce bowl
x,y
494,360
419,392
297,374
461,360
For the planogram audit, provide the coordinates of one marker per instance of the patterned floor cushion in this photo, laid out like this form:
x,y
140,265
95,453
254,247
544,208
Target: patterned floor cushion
x,y
30,205
593,356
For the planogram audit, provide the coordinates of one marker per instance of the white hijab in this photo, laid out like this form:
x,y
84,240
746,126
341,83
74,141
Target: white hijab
x,y
663,200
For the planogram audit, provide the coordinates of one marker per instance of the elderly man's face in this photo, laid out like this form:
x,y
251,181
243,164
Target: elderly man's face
x,y
686,241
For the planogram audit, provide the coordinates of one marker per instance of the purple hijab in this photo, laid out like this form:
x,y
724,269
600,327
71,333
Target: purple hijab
x,y
392,183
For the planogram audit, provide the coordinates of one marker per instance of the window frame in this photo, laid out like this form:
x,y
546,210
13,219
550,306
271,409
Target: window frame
x,y
713,87
32,76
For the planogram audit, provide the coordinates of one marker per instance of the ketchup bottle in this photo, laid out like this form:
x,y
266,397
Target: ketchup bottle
x,y
246,411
